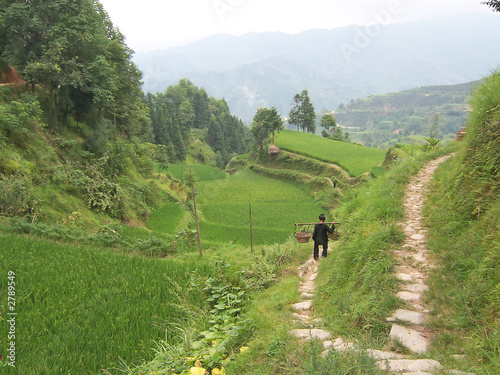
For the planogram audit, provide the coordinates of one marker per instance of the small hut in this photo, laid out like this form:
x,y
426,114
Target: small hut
x,y
273,150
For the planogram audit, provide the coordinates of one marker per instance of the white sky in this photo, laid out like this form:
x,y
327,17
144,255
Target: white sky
x,y
153,24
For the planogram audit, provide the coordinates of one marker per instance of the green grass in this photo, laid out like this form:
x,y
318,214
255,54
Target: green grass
x,y
353,158
276,206
200,172
166,218
357,280
82,309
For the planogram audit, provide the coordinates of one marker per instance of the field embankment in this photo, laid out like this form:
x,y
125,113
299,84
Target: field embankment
x,y
354,159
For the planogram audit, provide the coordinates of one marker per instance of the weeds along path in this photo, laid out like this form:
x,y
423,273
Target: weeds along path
x,y
409,324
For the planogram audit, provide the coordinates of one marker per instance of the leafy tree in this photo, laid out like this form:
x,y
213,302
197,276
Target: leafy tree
x,y
329,123
302,113
494,4
72,50
265,123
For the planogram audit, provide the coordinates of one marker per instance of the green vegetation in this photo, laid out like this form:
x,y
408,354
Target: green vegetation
x,y
464,212
225,208
97,215
82,309
407,116
353,158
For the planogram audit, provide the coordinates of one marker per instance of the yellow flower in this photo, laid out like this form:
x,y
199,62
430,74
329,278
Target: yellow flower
x,y
198,371
216,371
244,349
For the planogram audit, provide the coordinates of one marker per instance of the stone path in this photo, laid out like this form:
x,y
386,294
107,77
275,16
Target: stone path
x,y
408,326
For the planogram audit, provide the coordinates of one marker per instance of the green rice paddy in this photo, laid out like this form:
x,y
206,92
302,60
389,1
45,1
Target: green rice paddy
x,y
87,307
276,206
355,159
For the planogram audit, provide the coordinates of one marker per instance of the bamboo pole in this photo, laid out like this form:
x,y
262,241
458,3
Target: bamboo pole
x,y
251,231
195,212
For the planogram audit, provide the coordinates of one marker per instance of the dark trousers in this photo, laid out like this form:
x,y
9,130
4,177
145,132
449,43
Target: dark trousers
x,y
316,249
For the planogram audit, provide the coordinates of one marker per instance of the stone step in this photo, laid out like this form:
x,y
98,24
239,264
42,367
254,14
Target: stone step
x,y
412,317
411,339
310,334
412,366
301,306
409,296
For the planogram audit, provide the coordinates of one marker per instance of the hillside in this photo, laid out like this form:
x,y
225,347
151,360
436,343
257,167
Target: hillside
x,y
268,69
383,120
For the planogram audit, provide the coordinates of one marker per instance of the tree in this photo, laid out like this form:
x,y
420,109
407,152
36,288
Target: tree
x,y
494,4
433,133
329,123
72,50
265,123
302,113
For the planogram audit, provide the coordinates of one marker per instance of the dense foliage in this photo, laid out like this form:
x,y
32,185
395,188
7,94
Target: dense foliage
x,y
266,123
184,107
74,52
302,113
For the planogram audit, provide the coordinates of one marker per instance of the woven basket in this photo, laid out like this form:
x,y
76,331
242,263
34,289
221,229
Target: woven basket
x,y
302,237
334,236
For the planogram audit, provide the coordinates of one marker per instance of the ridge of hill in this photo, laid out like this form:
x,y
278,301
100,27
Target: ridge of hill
x,y
268,69
401,117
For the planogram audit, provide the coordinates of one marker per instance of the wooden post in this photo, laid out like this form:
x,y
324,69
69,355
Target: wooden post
x,y
251,231
195,213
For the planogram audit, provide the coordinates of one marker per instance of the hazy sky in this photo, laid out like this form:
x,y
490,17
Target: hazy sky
x,y
152,24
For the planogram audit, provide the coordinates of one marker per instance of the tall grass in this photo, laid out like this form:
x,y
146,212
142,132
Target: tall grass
x,y
353,158
82,309
464,212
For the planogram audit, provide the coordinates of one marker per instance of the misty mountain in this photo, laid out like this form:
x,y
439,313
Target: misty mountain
x,y
336,66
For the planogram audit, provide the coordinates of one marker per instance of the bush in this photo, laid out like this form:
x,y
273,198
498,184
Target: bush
x,y
15,195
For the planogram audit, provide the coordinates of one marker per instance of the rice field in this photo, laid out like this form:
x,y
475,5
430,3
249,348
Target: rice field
x,y
82,309
276,206
353,158
166,218
200,172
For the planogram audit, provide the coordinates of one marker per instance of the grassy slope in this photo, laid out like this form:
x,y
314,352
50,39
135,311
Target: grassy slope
x,y
464,212
353,158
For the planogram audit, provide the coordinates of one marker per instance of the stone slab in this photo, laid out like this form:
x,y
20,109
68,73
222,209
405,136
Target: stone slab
x,y
413,317
301,306
378,354
307,295
416,288
310,334
418,237
409,297
411,339
413,366
404,277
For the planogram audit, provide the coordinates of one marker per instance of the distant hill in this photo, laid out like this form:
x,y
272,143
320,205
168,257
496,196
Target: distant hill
x,y
336,66
399,117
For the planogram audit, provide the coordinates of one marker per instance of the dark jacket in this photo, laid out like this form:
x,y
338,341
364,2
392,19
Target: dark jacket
x,y
320,233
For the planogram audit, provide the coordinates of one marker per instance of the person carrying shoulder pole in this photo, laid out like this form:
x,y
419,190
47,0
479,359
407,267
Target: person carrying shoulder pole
x,y
320,236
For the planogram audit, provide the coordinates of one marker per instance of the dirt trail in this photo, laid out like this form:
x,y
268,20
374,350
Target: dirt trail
x,y
408,326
